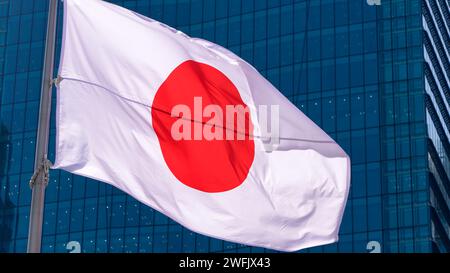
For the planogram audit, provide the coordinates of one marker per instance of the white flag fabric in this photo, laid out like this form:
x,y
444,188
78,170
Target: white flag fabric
x,y
122,77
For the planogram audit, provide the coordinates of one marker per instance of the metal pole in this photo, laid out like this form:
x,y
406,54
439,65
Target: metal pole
x,y
39,180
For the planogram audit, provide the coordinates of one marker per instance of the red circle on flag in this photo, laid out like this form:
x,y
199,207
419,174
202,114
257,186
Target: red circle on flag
x,y
199,161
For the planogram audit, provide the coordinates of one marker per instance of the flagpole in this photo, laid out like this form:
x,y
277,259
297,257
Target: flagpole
x,y
39,179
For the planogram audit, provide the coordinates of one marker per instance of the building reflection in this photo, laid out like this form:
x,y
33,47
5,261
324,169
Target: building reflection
x,y
7,207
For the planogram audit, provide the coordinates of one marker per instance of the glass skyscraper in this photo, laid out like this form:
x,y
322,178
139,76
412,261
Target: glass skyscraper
x,y
375,75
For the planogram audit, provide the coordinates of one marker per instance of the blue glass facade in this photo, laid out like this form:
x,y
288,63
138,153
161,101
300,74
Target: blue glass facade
x,y
375,77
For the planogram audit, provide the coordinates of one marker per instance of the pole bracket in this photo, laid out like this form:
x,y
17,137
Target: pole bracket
x,y
56,81
43,167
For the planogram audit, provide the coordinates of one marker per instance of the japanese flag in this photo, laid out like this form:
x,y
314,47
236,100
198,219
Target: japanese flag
x,y
193,131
